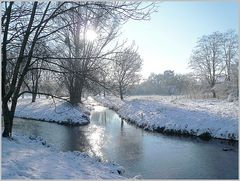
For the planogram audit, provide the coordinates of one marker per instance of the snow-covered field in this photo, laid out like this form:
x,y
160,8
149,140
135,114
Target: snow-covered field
x,y
222,107
31,158
56,110
217,118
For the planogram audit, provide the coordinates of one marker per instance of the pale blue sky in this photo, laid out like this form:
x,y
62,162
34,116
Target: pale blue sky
x,y
166,41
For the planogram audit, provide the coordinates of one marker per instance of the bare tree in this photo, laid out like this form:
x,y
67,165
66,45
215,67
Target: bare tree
x,y
230,51
33,76
87,58
23,25
126,67
206,59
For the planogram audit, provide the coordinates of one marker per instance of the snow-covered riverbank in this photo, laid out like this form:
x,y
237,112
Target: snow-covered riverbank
x,y
50,110
205,118
32,158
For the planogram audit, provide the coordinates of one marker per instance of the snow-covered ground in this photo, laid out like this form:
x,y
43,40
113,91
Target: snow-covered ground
x,y
222,107
218,118
52,110
31,158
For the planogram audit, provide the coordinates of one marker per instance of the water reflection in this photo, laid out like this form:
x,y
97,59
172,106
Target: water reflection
x,y
152,155
122,122
63,137
96,140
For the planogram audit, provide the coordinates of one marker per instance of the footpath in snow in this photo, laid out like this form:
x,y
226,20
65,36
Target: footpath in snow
x,y
31,158
204,118
52,110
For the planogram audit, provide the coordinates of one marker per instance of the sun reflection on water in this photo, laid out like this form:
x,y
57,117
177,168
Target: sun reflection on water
x,y
96,140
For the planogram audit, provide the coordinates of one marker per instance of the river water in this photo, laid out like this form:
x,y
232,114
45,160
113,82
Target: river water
x,y
151,155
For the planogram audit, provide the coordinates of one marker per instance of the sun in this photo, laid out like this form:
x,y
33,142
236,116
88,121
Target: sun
x,y
91,35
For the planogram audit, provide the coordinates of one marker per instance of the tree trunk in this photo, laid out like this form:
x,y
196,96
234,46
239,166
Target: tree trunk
x,y
104,92
35,88
75,96
79,95
120,91
71,98
8,120
76,91
34,96
121,94
228,74
34,93
214,94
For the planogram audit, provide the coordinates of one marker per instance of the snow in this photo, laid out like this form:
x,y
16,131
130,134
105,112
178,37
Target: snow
x,y
32,158
52,110
217,106
196,117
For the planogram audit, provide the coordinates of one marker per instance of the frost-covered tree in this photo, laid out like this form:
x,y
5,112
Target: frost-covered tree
x,y
167,83
230,52
214,60
206,59
126,67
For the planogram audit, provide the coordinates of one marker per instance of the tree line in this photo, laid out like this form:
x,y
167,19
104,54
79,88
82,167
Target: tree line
x,y
214,62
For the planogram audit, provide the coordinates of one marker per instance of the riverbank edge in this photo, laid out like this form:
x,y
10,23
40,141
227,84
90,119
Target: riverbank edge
x,y
206,136
84,116
108,169
57,122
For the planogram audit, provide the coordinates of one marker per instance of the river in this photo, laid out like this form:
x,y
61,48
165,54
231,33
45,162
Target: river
x,y
151,155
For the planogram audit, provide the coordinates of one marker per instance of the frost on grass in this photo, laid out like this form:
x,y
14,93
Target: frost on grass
x,y
50,110
32,158
204,118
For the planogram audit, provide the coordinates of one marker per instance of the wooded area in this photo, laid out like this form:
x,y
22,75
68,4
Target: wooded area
x,y
46,45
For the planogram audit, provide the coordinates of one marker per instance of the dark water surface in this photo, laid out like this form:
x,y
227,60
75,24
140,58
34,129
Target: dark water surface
x,y
151,155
